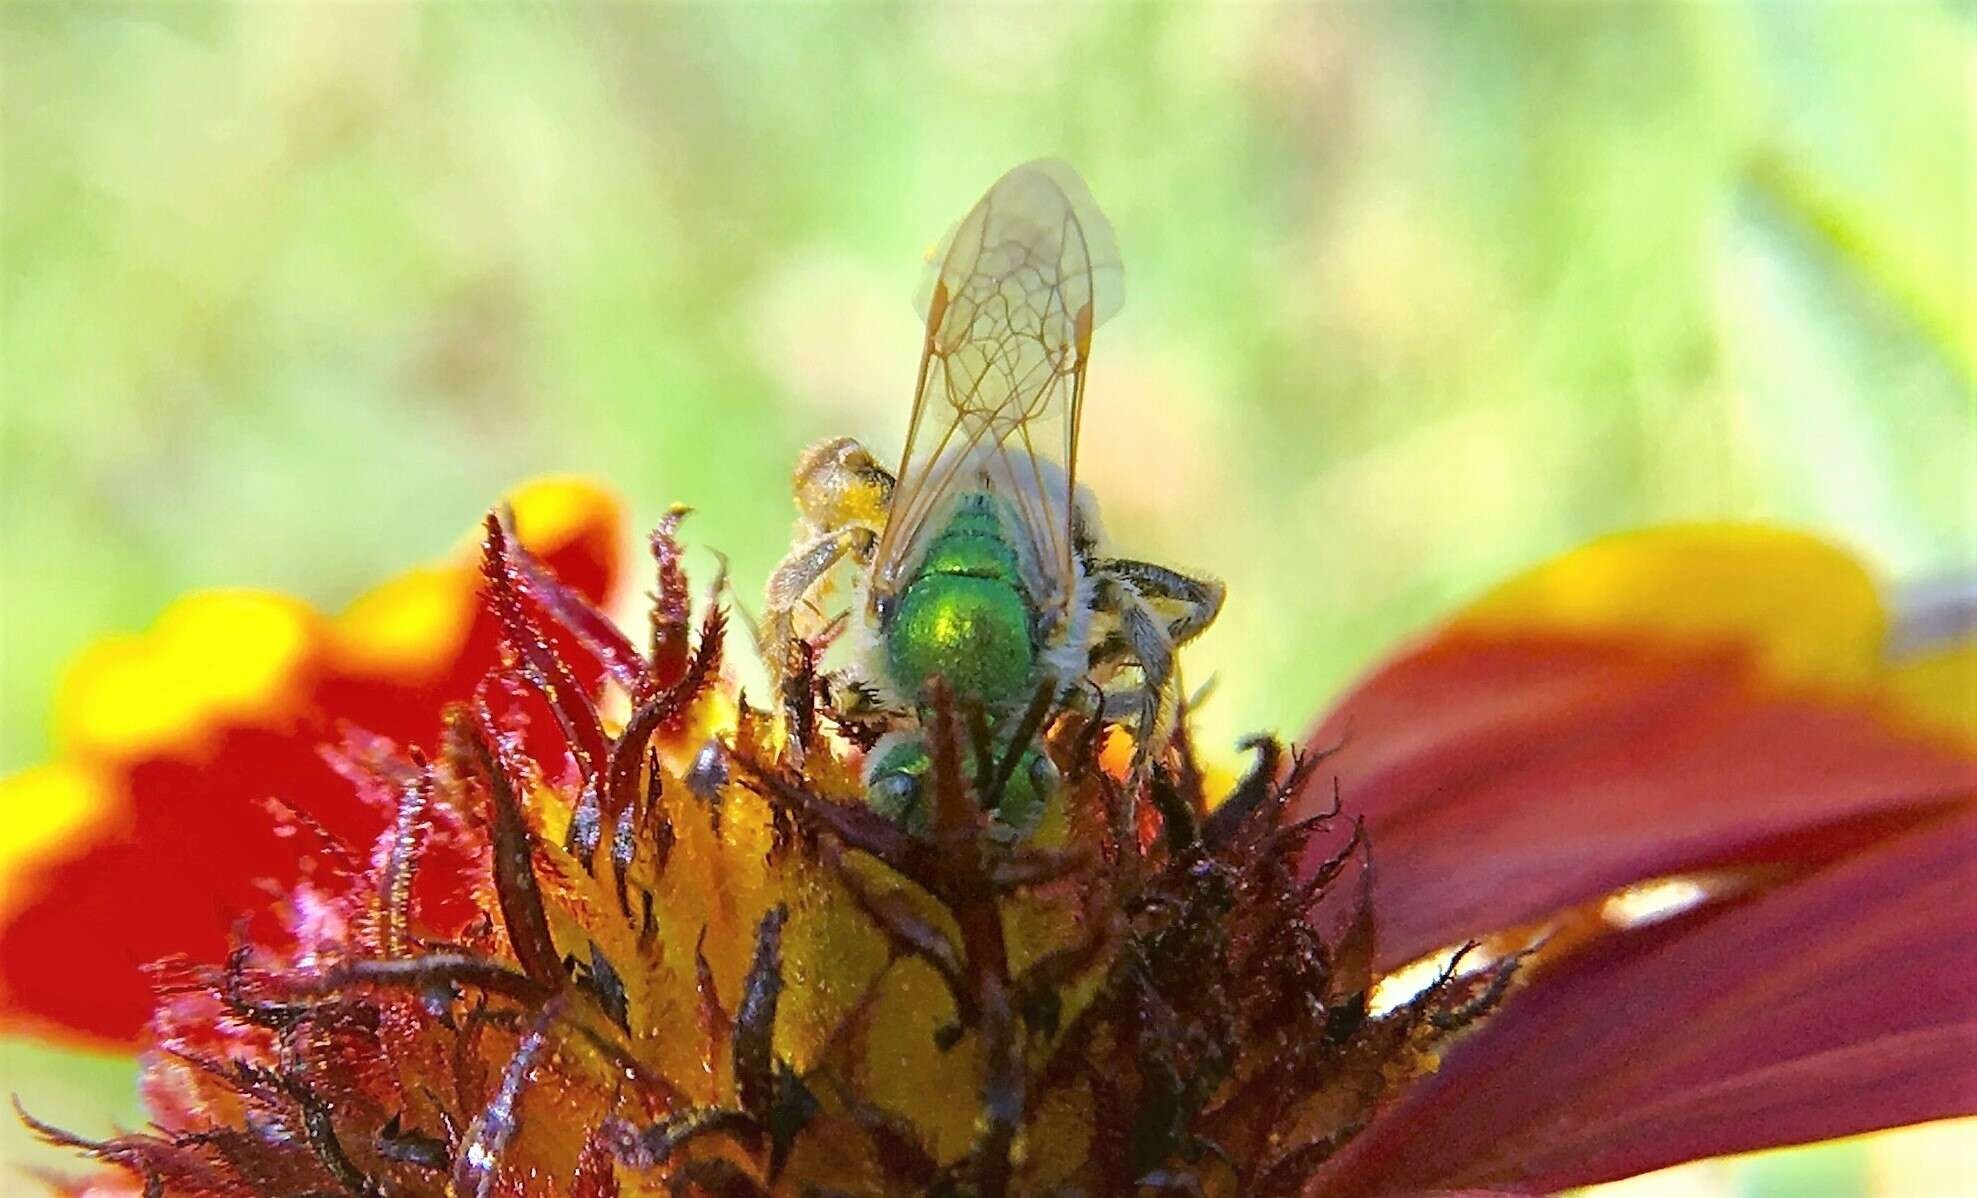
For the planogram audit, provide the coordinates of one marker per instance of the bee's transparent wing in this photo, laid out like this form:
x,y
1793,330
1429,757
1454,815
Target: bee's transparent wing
x,y
1011,298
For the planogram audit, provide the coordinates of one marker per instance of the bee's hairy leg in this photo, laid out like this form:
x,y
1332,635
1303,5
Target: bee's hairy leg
x,y
1199,599
1140,639
792,579
1125,703
1134,595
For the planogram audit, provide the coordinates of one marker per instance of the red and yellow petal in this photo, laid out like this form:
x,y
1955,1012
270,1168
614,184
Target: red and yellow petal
x,y
1937,690
46,808
212,659
1693,700
150,831
1804,612
1651,705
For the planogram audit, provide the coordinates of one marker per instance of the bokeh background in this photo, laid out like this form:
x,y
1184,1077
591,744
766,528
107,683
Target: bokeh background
x,y
1416,294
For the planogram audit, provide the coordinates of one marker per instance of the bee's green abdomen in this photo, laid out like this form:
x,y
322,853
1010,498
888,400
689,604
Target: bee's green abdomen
x,y
966,616
973,631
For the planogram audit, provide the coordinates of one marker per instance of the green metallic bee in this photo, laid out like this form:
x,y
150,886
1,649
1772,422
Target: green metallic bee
x,y
980,560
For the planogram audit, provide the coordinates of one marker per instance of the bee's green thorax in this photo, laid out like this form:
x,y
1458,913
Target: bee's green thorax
x,y
966,614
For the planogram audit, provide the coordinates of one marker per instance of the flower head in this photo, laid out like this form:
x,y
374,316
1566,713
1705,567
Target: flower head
x,y
1579,886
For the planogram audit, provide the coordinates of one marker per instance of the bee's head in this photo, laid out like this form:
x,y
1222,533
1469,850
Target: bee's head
x,y
838,484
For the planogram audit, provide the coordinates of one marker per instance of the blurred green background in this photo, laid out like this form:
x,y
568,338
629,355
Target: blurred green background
x,y
1416,294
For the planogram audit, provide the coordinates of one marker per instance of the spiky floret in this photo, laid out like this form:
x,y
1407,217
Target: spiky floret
x,y
692,960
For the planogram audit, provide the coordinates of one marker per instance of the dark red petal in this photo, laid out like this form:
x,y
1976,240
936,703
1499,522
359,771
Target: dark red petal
x,y
1504,778
1833,1005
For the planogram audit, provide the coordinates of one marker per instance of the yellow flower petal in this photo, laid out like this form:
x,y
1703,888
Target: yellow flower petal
x,y
416,623
212,655
40,810
1939,690
408,627
903,1065
234,655
1806,610
552,510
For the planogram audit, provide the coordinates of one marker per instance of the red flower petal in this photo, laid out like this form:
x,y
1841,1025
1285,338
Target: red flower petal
x,y
178,841
1507,776
1838,1004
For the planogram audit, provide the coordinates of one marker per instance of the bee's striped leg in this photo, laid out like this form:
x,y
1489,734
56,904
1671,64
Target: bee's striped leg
x,y
792,579
1126,703
1152,650
1199,600
1110,651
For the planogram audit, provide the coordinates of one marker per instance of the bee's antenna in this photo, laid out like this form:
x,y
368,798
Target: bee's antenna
x,y
724,585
